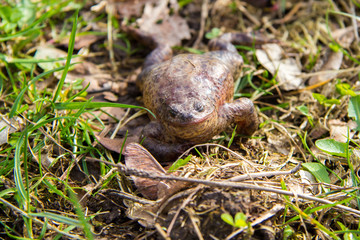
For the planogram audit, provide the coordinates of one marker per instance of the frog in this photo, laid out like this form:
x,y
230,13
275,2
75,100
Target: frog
x,y
192,96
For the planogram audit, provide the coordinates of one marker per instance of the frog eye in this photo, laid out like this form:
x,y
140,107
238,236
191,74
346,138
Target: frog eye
x,y
198,107
173,112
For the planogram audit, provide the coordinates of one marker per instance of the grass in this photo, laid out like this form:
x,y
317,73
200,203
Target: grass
x,y
53,134
48,119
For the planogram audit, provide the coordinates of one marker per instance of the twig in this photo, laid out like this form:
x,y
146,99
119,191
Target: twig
x,y
128,196
223,184
110,10
161,231
263,174
204,15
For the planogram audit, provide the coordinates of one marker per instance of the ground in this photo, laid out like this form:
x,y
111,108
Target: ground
x,y
64,124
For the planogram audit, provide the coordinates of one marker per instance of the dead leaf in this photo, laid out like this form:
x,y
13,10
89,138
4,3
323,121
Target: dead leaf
x,y
139,158
344,36
339,129
109,96
129,8
285,69
98,79
309,180
7,127
279,141
50,52
163,28
333,62
81,40
318,130
111,144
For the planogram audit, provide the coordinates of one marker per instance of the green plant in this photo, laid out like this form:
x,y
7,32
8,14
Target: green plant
x,y
239,221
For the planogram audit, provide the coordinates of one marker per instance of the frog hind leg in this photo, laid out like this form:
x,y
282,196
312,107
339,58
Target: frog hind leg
x,y
160,54
243,113
226,41
160,51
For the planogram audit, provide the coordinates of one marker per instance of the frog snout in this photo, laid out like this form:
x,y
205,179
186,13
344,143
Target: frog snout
x,y
180,115
186,116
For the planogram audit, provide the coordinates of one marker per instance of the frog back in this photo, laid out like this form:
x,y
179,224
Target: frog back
x,y
186,78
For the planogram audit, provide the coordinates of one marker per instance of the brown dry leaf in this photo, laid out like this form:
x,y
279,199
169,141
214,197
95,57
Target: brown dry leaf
x,y
134,133
130,8
89,72
144,214
162,27
318,130
332,63
81,40
285,69
279,141
109,96
344,36
339,129
7,127
111,144
309,181
139,158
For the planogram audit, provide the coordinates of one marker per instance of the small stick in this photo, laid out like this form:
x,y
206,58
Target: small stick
x,y
204,15
223,184
263,174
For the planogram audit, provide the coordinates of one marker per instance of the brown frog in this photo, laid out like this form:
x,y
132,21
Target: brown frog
x,y
191,96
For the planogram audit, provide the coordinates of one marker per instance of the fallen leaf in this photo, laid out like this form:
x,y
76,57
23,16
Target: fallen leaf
x,y
344,36
318,130
333,62
130,8
279,141
109,96
7,127
157,23
50,52
111,144
309,180
139,158
285,69
98,79
339,129
81,40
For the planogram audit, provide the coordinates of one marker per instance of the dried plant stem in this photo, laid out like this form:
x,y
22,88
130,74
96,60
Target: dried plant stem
x,y
225,184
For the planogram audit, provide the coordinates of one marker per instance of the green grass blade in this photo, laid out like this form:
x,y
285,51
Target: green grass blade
x,y
17,170
69,57
57,217
78,105
19,98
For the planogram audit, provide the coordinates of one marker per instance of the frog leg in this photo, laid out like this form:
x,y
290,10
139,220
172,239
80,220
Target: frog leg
x,y
160,54
226,41
232,60
243,113
154,141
